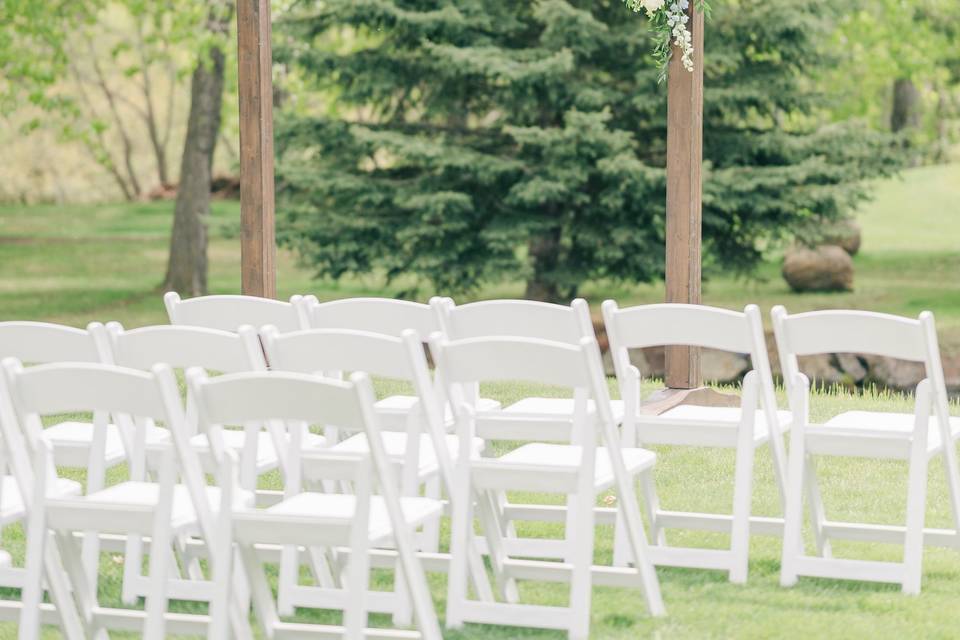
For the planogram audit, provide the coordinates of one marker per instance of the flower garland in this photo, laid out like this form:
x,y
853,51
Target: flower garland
x,y
669,22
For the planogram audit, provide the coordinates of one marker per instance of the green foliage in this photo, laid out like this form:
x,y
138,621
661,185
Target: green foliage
x,y
478,140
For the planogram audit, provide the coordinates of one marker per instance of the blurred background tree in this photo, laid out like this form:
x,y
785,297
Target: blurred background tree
x,y
481,139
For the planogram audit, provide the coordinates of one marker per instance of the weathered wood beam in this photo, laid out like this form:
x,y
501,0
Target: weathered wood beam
x,y
257,234
684,196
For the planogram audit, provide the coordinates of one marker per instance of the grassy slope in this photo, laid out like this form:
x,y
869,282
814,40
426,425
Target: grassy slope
x,y
76,264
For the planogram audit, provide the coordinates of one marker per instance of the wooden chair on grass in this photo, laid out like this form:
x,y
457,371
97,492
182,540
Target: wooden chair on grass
x,y
914,437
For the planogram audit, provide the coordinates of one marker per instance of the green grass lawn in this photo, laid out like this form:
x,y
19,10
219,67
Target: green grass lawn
x,y
76,264
703,604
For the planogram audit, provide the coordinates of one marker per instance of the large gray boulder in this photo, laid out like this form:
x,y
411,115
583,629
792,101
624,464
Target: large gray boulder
x,y
823,268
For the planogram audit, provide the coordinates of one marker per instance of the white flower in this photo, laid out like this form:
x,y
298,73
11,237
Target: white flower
x,y
652,6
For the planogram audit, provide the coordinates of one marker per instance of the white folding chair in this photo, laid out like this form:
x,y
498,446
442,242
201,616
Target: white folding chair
x,y
15,505
158,510
218,351
358,520
214,350
756,423
560,457
389,317
916,438
521,319
97,445
430,461
229,312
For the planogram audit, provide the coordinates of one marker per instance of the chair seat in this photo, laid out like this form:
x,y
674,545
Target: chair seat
x,y
336,508
71,443
236,440
558,406
393,410
129,506
872,433
11,501
565,456
395,443
693,425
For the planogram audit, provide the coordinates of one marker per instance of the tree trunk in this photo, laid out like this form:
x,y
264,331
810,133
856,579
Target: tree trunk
x,y
544,251
187,267
906,105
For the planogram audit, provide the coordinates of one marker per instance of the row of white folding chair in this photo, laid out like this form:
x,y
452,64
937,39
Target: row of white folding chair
x,y
162,510
916,438
569,323
743,428
633,328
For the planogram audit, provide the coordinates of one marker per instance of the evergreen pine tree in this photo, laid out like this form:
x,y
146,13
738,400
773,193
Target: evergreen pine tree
x,y
481,140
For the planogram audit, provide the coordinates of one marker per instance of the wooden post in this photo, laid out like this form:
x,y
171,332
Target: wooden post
x,y
257,235
684,196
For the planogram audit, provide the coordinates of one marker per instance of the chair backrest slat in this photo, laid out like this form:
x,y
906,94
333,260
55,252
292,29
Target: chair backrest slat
x,y
385,316
680,324
78,387
229,312
184,346
329,350
513,359
518,318
864,332
240,398
42,342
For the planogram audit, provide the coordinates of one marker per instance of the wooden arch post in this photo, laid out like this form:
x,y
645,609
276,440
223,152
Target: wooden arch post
x,y
255,80
684,195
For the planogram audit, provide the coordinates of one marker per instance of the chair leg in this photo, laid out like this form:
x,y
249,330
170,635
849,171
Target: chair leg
x,y
72,558
32,592
580,533
58,584
793,517
221,556
815,504
431,530
263,602
403,614
132,561
159,567
916,508
461,539
651,502
358,577
487,507
742,495
288,580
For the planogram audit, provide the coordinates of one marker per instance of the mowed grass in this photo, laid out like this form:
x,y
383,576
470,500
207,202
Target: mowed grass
x,y
77,264
703,604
